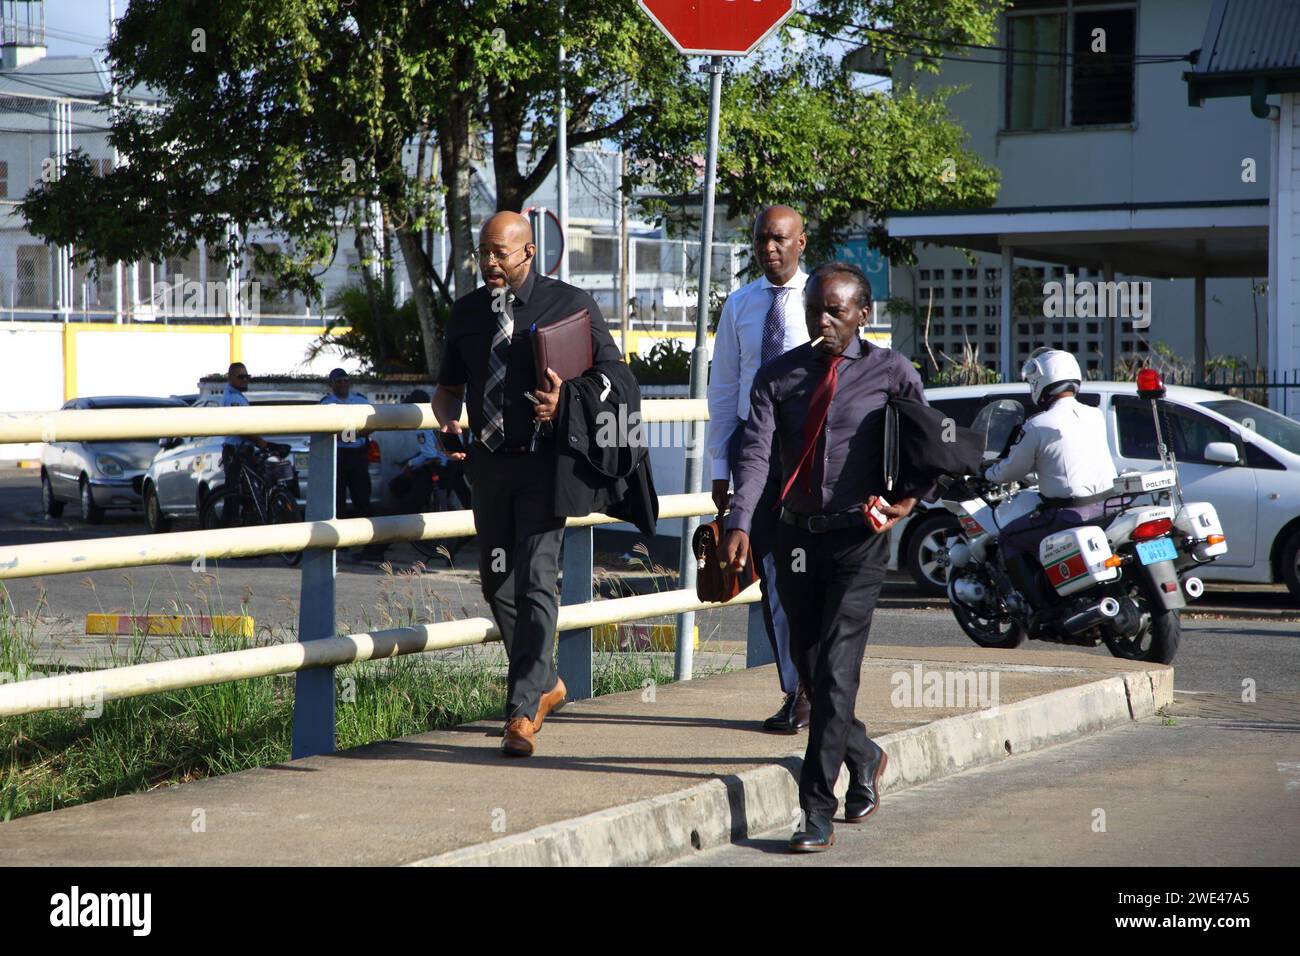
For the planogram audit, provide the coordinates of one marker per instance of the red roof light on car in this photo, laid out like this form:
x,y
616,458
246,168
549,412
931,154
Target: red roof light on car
x,y
1150,384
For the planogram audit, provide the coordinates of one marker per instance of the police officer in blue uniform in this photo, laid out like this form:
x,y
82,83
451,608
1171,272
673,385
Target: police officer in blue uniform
x,y
352,478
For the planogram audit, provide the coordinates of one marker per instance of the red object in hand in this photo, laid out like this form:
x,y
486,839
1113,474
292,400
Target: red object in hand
x,y
877,517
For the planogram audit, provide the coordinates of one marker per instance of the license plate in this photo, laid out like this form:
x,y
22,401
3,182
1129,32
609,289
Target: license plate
x,y
1161,549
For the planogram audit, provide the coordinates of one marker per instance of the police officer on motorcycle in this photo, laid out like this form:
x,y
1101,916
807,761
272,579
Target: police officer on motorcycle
x,y
1065,444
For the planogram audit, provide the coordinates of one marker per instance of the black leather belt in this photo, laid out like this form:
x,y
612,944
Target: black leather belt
x,y
820,524
1077,502
505,449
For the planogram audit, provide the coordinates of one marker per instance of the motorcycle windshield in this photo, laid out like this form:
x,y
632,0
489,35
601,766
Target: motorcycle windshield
x,y
996,421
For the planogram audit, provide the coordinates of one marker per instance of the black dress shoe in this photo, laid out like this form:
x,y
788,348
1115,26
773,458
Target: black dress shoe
x,y
864,789
793,716
816,835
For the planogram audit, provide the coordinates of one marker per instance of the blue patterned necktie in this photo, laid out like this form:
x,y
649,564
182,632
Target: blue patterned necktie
x,y
774,326
494,391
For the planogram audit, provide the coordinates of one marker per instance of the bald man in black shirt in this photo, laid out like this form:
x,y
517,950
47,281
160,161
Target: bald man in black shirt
x,y
488,364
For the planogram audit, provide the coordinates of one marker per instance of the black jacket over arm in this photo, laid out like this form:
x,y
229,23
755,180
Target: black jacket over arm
x,y
601,460
923,444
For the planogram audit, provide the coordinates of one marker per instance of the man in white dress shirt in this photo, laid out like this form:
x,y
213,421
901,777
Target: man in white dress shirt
x,y
759,322
1065,445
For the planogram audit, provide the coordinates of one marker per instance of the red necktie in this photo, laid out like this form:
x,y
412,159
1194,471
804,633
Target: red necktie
x,y
818,406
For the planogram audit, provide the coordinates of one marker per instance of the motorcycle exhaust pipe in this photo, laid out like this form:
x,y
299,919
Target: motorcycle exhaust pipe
x,y
1107,609
1194,587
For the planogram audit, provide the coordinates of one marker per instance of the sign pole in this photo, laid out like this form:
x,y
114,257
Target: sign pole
x,y
685,658
562,164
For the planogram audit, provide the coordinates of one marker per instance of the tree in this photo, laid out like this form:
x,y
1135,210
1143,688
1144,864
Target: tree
x,y
302,115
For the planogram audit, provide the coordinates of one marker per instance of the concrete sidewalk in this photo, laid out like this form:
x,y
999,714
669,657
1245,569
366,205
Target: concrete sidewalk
x,y
633,778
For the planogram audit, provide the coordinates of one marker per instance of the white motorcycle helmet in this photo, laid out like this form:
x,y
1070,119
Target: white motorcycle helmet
x,y
1049,371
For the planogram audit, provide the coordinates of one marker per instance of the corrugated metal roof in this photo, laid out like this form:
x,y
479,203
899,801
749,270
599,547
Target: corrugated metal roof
x,y
1251,36
74,76
77,77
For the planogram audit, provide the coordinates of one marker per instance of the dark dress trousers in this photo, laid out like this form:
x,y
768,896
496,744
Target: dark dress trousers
x,y
518,531
828,581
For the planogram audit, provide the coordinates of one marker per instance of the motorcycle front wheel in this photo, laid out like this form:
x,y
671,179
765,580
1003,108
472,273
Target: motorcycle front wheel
x,y
989,632
1156,641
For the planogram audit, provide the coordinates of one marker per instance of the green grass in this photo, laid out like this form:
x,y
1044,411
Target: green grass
x,y
59,758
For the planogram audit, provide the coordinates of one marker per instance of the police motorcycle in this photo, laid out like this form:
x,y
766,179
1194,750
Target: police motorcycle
x,y
1121,582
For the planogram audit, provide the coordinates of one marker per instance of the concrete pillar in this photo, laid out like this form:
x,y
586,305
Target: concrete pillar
x,y
1007,360
1109,329
1199,325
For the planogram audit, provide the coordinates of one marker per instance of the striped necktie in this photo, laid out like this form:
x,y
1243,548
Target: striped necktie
x,y
494,391
774,326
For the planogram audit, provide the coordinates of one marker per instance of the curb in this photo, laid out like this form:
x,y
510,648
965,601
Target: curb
x,y
722,811
1241,614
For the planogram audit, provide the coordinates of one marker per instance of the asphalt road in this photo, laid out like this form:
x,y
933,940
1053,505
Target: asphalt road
x,y
1216,656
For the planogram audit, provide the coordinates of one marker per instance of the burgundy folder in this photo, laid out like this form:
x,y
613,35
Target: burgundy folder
x,y
564,347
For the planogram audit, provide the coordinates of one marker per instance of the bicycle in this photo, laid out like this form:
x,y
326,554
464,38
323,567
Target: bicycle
x,y
265,494
441,496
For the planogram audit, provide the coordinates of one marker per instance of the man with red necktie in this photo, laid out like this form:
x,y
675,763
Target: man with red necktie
x,y
821,408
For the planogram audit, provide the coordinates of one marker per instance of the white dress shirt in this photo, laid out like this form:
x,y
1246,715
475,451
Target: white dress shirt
x,y
1068,449
737,352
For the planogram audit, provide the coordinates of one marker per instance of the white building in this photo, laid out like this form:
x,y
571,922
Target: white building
x,y
1252,49
1106,173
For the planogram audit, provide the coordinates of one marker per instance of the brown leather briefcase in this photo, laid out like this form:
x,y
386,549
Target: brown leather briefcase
x,y
563,346
714,583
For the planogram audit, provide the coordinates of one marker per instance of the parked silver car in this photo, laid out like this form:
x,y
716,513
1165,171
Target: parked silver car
x,y
98,474
184,471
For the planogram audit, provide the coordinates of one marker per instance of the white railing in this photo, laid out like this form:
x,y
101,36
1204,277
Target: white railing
x,y
319,648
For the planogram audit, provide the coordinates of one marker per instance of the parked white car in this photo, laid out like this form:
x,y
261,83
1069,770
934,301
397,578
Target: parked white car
x,y
1241,457
98,475
185,471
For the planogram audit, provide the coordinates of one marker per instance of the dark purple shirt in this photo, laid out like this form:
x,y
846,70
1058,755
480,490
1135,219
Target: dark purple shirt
x,y
847,466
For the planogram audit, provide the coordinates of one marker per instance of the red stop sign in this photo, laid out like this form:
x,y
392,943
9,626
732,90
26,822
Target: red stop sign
x,y
717,27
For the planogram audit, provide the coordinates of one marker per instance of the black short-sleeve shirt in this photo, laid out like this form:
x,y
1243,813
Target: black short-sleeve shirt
x,y
540,301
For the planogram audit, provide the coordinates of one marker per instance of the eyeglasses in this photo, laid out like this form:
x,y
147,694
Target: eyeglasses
x,y
491,255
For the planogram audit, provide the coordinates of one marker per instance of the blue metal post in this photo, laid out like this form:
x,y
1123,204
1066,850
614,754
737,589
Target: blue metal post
x,y
575,646
313,701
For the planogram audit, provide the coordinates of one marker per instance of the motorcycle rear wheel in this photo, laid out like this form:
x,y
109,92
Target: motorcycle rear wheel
x,y
1156,642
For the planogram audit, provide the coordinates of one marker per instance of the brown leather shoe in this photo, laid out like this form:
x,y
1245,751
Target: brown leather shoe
x,y
550,703
518,741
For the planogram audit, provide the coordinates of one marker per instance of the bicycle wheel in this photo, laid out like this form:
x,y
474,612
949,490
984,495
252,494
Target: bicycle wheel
x,y
227,508
283,509
439,500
